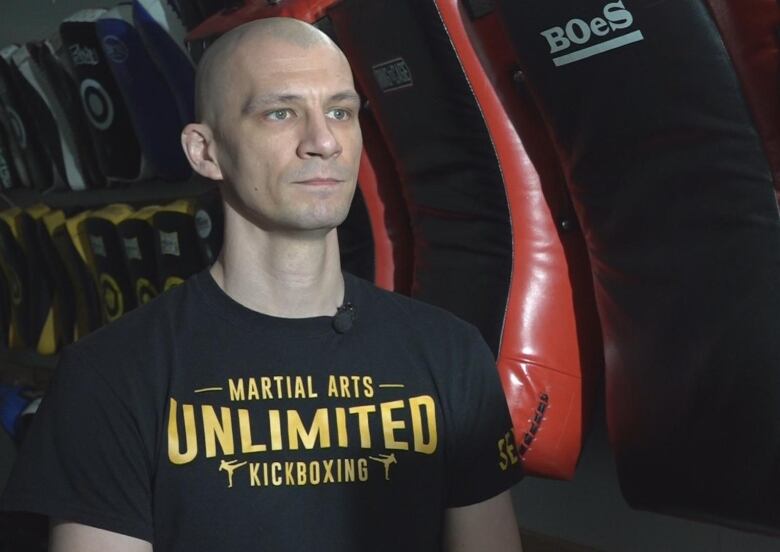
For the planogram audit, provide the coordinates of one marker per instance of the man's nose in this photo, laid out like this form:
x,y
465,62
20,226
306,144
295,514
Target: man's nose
x,y
318,139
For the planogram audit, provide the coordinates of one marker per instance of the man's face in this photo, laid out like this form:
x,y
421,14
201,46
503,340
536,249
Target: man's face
x,y
287,136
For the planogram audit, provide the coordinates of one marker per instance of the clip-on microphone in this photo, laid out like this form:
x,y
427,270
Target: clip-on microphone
x,y
344,318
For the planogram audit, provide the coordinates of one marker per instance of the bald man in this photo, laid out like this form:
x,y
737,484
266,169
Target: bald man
x,y
274,402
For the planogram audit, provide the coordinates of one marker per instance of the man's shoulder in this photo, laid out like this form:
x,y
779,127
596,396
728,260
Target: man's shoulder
x,y
141,328
417,315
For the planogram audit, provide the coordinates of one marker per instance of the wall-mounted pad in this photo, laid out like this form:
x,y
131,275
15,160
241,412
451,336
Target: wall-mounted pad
x,y
112,132
51,118
34,168
138,245
150,102
107,259
163,33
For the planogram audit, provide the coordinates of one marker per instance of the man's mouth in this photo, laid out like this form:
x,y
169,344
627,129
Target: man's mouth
x,y
319,181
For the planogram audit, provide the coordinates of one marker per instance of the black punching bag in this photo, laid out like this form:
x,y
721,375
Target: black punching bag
x,y
676,200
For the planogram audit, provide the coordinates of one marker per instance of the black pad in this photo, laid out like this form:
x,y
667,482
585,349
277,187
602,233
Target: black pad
x,y
41,284
53,61
138,238
14,267
34,169
62,326
88,310
113,280
676,200
48,117
113,135
150,103
179,253
422,101
5,309
209,225
356,245
9,178
30,283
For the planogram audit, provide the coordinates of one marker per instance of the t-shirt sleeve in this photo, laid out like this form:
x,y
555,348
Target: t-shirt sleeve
x,y
482,460
84,459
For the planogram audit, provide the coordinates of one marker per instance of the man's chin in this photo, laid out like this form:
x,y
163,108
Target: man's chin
x,y
315,226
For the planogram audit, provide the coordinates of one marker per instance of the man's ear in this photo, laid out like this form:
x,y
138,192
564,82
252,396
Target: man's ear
x,y
198,143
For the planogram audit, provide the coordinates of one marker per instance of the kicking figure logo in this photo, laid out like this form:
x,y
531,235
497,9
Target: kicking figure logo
x,y
230,467
387,460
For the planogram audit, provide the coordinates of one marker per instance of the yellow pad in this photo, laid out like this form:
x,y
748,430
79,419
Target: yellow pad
x,y
138,237
25,259
107,259
178,254
73,246
14,266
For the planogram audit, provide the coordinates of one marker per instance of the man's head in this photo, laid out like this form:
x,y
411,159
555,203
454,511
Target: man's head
x,y
278,123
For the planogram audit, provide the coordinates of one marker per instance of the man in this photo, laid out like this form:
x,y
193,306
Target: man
x,y
272,402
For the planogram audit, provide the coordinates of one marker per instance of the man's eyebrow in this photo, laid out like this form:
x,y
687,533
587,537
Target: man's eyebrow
x,y
347,95
258,102
255,103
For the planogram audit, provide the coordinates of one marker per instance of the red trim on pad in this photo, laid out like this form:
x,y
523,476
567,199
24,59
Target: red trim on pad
x,y
547,360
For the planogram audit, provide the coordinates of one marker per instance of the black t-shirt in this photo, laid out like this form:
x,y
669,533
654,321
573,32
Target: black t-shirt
x,y
198,424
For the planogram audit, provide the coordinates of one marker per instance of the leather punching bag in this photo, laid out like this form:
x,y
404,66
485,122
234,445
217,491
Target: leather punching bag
x,y
675,195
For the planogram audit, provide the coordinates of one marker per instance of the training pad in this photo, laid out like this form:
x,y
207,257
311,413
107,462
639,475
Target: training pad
x,y
106,260
34,169
150,102
465,169
9,178
389,218
550,359
163,33
14,266
42,287
61,328
51,119
209,225
72,251
13,169
751,31
55,64
5,308
138,245
113,136
404,63
188,11
356,247
193,12
31,287
177,248
675,196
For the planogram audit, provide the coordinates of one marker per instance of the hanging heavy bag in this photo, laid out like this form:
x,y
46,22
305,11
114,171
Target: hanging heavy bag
x,y
675,196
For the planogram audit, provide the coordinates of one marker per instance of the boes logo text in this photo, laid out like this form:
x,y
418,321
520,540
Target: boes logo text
x,y
579,39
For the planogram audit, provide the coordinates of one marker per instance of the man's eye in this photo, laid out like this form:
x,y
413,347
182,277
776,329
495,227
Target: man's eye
x,y
279,114
339,114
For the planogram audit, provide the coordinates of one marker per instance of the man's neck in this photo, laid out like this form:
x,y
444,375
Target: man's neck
x,y
279,275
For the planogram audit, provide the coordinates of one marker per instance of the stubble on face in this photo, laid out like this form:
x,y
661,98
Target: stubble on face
x,y
289,161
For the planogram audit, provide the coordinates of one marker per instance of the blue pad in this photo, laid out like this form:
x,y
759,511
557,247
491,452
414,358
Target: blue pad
x,y
151,104
163,34
12,404
116,146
